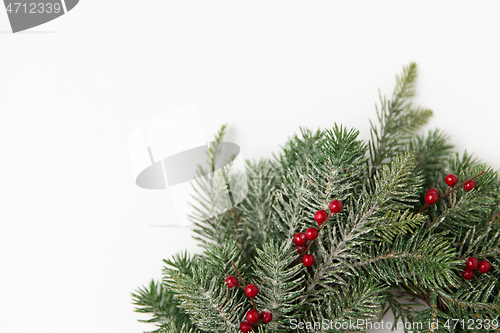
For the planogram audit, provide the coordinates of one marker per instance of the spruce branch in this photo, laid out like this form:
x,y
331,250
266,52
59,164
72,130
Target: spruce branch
x,y
358,299
398,121
158,300
280,286
371,257
423,260
432,153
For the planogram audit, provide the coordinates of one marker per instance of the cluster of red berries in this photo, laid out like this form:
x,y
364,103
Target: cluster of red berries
x,y
451,180
253,316
300,238
471,264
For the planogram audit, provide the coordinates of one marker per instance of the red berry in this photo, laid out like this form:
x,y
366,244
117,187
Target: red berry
x,y
467,274
301,249
253,316
431,198
232,281
336,206
251,290
300,239
311,233
308,260
451,180
245,327
433,190
469,185
484,266
472,263
321,216
267,316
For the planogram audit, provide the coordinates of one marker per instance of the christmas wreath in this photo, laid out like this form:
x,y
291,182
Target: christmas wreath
x,y
335,231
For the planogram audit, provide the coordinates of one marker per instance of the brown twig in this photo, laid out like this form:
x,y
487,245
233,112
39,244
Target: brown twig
x,y
449,191
238,272
243,281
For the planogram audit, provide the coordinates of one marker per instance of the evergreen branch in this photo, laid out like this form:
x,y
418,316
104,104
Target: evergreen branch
x,y
431,154
279,285
200,289
394,223
288,206
394,189
214,147
159,301
422,260
368,258
256,212
398,120
359,299
298,149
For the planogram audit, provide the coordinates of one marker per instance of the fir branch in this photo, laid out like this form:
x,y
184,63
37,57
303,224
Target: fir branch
x,y
200,289
396,188
431,153
288,204
364,256
394,223
214,147
334,171
256,214
422,260
398,121
298,149
214,224
158,300
358,299
279,285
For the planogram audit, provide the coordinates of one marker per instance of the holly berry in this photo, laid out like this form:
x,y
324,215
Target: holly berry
x,y
253,316
245,327
267,316
301,249
300,239
432,197
308,260
336,206
467,274
451,180
251,290
472,263
433,190
311,233
484,266
469,185
232,282
321,216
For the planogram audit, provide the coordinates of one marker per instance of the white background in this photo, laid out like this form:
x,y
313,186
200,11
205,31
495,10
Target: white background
x,y
75,235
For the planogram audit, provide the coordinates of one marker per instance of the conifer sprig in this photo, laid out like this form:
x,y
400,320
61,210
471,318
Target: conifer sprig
x,y
387,245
